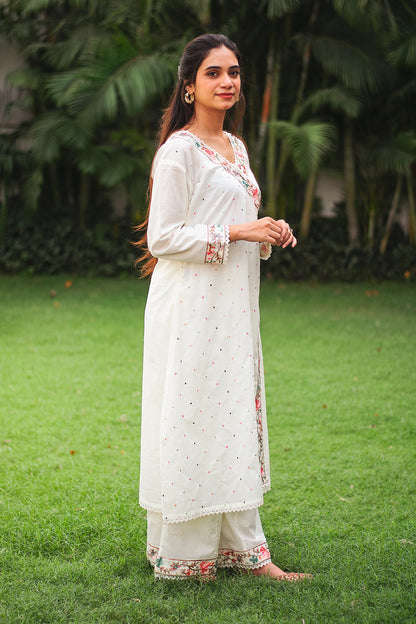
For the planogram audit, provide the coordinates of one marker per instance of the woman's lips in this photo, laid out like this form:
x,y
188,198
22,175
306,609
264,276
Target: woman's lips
x,y
225,96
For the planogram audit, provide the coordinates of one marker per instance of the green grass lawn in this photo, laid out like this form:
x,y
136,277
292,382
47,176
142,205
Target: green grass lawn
x,y
341,391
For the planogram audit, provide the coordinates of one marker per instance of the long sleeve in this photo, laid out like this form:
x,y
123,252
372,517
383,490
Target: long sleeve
x,y
170,235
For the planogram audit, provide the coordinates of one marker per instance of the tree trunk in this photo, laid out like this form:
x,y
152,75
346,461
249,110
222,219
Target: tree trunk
x,y
271,139
392,214
84,196
305,222
3,213
269,112
371,219
284,155
306,57
56,195
349,179
253,137
69,185
263,121
411,209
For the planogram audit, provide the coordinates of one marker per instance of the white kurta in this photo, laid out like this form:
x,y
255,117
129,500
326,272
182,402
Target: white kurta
x,y
204,446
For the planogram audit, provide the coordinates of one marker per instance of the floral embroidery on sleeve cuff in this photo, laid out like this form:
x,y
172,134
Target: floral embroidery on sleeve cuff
x,y
265,251
217,245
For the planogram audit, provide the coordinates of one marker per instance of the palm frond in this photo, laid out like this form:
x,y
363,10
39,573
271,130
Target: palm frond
x,y
349,64
202,9
405,93
27,78
398,154
32,6
355,13
35,49
54,131
278,8
109,164
308,143
84,42
96,90
403,46
336,99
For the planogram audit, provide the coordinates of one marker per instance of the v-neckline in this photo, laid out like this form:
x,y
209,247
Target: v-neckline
x,y
239,168
206,145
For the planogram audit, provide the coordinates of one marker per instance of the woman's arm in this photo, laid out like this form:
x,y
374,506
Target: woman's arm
x,y
169,235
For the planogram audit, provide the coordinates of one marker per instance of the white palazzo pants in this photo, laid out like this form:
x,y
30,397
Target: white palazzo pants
x,y
197,547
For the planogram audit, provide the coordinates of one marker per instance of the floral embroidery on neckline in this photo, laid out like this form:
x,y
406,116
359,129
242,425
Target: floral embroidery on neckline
x,y
237,169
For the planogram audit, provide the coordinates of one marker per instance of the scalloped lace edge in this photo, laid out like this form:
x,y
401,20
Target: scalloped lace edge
x,y
226,243
209,512
240,566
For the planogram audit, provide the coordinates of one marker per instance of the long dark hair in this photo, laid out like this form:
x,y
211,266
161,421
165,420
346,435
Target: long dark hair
x,y
178,114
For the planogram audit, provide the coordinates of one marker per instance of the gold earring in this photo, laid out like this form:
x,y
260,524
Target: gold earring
x,y
189,97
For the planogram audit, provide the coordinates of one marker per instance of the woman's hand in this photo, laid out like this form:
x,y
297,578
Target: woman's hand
x,y
287,238
265,230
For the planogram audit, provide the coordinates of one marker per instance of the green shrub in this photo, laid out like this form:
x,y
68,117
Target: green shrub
x,y
106,250
60,247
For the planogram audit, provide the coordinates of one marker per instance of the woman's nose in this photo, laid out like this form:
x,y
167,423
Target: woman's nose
x,y
226,80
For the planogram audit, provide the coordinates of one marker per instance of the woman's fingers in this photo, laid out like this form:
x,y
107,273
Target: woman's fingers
x,y
272,231
264,230
287,237
292,241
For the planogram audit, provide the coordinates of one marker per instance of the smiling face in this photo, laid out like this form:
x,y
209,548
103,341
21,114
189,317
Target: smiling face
x,y
218,83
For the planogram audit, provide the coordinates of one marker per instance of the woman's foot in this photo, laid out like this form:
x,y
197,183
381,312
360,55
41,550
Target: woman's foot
x,y
274,572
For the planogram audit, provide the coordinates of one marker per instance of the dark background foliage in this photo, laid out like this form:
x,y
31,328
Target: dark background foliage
x,y
329,84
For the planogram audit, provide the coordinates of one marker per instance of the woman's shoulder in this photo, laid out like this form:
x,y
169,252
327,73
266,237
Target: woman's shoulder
x,y
173,151
176,147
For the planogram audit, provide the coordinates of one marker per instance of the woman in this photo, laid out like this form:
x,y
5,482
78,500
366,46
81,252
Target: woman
x,y
204,452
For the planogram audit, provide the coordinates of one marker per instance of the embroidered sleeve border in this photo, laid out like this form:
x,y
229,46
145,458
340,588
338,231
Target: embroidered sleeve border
x,y
217,245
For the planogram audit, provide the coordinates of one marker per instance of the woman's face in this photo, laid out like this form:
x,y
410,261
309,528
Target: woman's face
x,y
218,83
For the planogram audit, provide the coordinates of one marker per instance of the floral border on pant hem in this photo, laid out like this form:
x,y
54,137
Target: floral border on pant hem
x,y
249,559
206,570
181,568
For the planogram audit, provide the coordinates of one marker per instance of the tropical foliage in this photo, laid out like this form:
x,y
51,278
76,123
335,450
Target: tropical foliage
x,y
328,83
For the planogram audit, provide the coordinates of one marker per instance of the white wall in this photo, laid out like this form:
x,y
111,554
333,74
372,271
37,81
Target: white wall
x,y
330,190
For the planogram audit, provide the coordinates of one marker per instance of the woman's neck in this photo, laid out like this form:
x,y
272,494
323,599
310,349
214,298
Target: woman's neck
x,y
207,126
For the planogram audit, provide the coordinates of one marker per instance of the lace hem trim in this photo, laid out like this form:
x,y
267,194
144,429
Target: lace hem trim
x,y
209,512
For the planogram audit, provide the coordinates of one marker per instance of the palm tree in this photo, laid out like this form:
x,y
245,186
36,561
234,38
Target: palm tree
x,y
397,156
306,145
401,52
91,74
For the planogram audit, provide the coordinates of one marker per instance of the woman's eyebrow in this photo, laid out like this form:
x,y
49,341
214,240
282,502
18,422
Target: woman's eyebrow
x,y
219,67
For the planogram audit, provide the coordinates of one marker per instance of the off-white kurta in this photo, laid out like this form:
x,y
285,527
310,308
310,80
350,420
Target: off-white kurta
x,y
204,446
